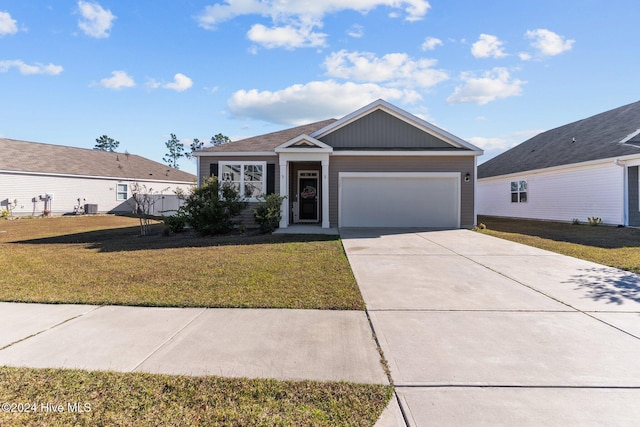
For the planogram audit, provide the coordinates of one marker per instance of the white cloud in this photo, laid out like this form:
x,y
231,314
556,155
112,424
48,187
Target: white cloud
x,y
492,85
549,43
96,21
8,25
282,10
430,43
356,31
118,80
396,69
502,142
524,56
488,46
180,83
288,36
27,69
305,103
295,21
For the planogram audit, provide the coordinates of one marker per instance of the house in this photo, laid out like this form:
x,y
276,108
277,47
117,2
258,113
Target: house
x,y
376,167
35,177
584,169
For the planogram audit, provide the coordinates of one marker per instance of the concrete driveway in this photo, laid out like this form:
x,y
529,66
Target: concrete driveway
x,y
482,331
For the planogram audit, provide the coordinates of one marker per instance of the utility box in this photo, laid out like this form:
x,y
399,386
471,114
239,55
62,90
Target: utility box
x,y
90,209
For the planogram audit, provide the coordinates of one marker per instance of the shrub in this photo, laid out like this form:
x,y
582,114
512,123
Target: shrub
x,y
211,208
4,213
268,214
175,223
594,220
575,221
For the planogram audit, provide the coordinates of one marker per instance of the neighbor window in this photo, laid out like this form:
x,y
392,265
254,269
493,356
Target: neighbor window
x,y
122,192
518,191
249,178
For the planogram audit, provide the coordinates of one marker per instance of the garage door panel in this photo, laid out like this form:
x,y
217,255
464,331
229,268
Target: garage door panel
x,y
379,201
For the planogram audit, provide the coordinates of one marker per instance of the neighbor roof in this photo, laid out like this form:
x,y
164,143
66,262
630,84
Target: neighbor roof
x,y
269,141
23,156
593,138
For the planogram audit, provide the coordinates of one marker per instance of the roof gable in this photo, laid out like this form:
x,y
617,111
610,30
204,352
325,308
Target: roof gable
x,y
598,137
304,143
381,126
23,156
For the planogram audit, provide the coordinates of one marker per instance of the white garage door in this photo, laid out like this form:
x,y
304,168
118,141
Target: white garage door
x,y
399,200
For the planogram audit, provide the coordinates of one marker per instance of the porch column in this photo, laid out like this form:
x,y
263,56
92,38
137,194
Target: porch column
x,y
284,190
325,193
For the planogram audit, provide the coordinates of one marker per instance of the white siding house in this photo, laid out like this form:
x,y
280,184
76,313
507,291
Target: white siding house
x,y
584,169
37,177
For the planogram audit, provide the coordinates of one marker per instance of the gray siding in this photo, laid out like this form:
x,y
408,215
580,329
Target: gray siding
x,y
462,164
634,197
380,130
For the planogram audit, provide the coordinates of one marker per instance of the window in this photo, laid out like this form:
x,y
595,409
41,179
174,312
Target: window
x,y
122,192
246,177
518,191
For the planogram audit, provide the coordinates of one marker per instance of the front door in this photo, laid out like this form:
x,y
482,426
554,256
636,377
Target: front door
x,y
308,196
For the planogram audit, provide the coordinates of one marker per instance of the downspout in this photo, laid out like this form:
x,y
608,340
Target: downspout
x,y
625,192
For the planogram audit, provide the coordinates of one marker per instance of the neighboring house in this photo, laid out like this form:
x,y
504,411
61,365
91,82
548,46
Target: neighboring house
x,y
588,168
378,166
36,177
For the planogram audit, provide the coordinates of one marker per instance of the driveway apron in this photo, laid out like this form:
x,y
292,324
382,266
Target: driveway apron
x,y
482,331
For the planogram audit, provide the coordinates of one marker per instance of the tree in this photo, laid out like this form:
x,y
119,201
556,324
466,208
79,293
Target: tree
x,y
144,200
219,139
105,143
212,207
196,145
176,150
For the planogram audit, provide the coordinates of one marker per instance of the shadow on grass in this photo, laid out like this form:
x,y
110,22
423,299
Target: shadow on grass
x,y
129,239
605,237
608,285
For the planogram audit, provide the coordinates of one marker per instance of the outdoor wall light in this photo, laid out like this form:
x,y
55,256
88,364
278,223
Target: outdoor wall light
x,y
467,177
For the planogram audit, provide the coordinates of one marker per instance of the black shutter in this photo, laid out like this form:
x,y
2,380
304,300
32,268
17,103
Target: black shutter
x,y
271,178
213,169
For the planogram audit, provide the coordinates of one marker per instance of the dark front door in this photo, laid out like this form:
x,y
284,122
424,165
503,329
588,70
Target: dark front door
x,y
308,196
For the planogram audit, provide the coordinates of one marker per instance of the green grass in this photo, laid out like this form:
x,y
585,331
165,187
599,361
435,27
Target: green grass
x,y
617,247
103,260
129,399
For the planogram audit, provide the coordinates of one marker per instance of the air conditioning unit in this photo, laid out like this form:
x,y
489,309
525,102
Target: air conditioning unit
x,y
90,208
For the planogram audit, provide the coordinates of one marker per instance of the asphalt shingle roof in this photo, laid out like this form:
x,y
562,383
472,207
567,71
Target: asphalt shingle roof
x,y
593,138
26,156
269,141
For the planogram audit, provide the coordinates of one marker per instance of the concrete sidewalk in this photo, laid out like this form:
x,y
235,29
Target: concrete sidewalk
x,y
482,331
319,345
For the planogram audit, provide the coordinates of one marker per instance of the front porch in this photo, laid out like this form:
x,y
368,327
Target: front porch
x,y
304,181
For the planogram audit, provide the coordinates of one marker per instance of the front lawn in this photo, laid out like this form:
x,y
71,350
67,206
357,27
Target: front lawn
x,y
103,260
55,397
617,247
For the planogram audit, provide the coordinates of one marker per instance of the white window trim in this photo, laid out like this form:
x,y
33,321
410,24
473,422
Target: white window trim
x,y
518,192
242,165
126,191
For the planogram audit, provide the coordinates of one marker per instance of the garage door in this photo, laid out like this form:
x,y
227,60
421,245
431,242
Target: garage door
x,y
399,200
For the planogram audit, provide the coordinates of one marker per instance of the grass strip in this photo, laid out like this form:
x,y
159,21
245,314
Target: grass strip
x,y
57,397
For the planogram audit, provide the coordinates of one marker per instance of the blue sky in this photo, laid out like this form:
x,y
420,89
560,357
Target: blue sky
x,y
492,72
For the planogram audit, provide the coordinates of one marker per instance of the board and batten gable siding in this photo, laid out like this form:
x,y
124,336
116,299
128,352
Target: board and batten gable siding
x,y
561,195
381,130
460,164
26,187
